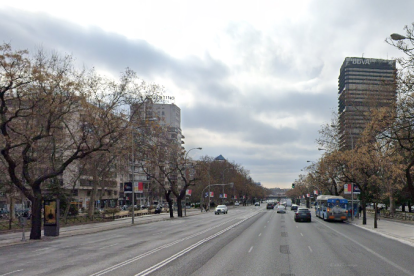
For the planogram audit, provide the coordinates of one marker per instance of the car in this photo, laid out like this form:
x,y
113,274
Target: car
x,y
236,203
294,207
158,210
303,214
281,209
257,203
221,209
270,206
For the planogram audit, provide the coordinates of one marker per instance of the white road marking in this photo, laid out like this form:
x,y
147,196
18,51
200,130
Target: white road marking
x,y
109,245
370,251
301,234
251,248
310,249
181,253
161,264
260,234
11,272
41,249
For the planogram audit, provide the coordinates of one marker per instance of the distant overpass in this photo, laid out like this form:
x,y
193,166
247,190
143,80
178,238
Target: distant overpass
x,y
277,197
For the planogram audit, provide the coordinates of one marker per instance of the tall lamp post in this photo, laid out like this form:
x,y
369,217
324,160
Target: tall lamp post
x,y
185,164
395,36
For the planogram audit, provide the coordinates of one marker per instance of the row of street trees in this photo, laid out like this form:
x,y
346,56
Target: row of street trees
x,y
381,162
60,125
56,119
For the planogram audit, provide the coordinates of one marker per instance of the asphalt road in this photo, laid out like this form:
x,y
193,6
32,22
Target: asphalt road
x,y
246,241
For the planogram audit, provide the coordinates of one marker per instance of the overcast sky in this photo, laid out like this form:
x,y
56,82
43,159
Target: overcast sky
x,y
255,80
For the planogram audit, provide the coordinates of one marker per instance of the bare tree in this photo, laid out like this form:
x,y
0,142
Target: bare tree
x,y
52,114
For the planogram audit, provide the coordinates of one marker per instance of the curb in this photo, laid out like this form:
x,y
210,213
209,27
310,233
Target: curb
x,y
102,228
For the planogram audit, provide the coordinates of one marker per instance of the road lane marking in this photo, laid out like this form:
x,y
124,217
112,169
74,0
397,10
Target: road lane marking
x,y
136,258
109,245
310,249
11,272
260,234
251,248
188,249
41,249
301,234
370,251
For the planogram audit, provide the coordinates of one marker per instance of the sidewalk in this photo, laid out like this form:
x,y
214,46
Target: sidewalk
x,y
399,230
68,231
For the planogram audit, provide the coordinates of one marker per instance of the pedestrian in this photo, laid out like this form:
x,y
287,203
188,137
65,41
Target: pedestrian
x,y
359,211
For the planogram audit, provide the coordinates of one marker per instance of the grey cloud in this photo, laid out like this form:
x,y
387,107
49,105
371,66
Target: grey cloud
x,y
106,50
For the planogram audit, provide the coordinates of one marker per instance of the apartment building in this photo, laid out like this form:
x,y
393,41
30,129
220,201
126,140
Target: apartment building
x,y
169,117
363,84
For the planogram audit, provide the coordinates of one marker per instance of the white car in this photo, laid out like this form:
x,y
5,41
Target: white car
x,y
257,203
281,209
236,203
221,209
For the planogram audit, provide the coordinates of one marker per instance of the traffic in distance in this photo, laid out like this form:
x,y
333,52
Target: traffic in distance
x,y
327,207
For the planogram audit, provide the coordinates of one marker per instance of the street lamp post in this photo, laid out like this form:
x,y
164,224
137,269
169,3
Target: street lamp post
x,y
395,36
185,164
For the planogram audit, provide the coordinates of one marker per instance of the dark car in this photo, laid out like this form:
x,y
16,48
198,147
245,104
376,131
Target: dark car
x,y
270,206
303,214
158,210
294,207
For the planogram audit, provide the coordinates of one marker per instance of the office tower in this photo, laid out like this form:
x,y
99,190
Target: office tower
x,y
364,84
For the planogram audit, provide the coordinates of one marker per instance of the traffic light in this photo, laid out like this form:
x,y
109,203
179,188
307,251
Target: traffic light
x,y
293,185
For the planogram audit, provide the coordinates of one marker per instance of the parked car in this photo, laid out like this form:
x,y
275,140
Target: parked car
x,y
221,209
294,207
158,210
257,203
236,203
281,209
303,214
270,206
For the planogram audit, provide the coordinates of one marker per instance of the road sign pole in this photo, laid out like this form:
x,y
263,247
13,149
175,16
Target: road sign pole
x,y
352,201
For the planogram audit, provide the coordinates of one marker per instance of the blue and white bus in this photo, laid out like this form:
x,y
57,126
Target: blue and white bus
x,y
329,207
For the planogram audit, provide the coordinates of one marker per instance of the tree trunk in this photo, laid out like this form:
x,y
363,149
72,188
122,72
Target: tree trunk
x,y
91,207
170,203
12,213
65,215
392,203
95,182
36,231
179,207
375,214
364,208
410,185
